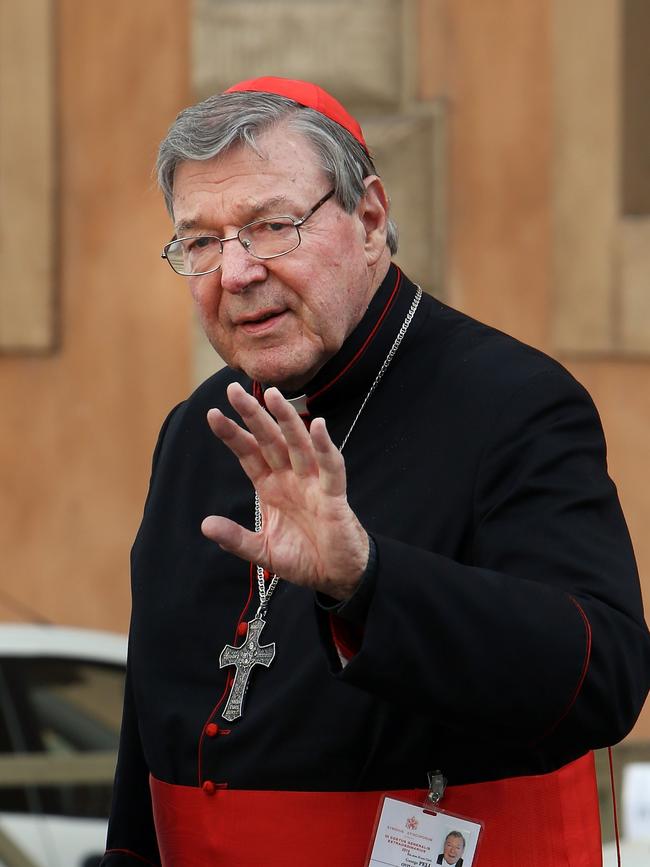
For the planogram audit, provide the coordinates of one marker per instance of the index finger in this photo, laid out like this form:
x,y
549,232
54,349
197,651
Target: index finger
x,y
261,425
294,431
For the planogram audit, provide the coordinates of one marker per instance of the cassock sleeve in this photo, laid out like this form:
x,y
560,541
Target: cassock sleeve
x,y
539,632
131,835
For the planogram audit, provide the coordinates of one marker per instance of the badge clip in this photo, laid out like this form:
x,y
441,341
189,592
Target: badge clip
x,y
437,785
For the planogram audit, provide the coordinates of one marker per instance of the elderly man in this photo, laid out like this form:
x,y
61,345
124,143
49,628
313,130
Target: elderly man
x,y
452,850
392,547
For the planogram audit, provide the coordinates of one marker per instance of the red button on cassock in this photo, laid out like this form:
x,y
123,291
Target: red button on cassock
x,y
242,629
209,787
211,730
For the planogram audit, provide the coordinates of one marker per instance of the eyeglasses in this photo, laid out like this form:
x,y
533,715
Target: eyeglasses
x,y
263,239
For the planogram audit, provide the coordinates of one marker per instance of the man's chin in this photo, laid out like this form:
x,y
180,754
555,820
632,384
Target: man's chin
x,y
288,361
285,376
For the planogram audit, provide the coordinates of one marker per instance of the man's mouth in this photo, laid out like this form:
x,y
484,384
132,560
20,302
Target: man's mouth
x,y
262,321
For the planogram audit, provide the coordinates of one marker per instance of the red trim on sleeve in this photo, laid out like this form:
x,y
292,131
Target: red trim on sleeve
x,y
583,673
346,636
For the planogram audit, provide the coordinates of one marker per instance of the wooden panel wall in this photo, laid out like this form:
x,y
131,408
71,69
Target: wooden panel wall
x,y
27,177
78,427
498,85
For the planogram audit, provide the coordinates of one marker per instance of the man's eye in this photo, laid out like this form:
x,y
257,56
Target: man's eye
x,y
203,242
277,226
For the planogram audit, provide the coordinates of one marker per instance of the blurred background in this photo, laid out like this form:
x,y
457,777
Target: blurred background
x,y
514,139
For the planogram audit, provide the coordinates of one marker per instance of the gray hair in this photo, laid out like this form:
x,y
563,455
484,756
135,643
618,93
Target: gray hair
x,y
458,835
226,120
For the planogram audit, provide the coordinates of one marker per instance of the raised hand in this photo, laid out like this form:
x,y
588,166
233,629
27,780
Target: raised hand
x,y
310,535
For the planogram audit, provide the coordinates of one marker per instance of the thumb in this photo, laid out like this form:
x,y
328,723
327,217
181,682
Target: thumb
x,y
235,539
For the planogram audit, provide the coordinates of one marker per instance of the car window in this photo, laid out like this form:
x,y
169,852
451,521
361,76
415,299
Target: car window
x,y
13,799
65,708
71,705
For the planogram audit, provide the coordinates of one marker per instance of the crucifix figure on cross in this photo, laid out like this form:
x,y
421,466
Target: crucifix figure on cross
x,y
244,657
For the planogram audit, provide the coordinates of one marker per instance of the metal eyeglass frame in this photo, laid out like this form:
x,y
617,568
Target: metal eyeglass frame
x,y
245,245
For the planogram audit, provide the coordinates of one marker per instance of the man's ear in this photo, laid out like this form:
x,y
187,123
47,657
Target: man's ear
x,y
373,213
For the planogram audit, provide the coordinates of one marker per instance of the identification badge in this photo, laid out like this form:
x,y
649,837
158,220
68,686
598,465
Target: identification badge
x,y
408,834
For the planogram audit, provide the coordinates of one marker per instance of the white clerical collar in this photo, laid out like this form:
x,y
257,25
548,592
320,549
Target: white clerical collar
x,y
298,403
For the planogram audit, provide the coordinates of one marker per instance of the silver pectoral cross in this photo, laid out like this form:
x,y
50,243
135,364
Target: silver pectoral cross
x,y
244,657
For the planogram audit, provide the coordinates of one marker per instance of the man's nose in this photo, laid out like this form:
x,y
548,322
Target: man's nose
x,y
239,268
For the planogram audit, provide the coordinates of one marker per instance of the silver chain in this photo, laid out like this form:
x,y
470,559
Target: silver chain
x,y
387,361
265,592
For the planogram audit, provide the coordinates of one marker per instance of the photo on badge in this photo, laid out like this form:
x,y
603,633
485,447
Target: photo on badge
x,y
407,834
455,850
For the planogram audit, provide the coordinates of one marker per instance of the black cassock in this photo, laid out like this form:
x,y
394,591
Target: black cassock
x,y
503,634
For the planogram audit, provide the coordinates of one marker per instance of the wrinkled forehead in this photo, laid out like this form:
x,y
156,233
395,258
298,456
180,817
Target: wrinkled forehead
x,y
277,143
279,149
280,175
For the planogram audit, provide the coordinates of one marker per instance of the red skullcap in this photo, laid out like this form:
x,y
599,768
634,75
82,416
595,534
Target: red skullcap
x,y
307,94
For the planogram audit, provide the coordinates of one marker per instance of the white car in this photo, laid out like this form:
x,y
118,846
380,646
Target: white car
x,y
61,693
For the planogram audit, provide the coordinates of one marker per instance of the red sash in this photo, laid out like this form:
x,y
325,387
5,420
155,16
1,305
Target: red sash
x,y
535,821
